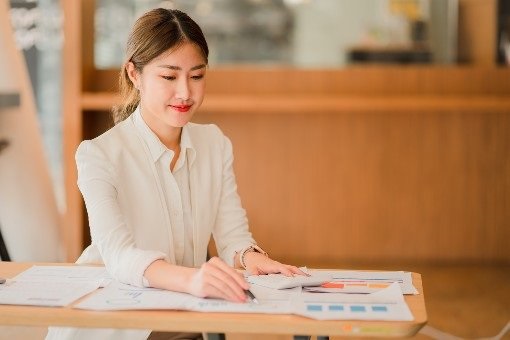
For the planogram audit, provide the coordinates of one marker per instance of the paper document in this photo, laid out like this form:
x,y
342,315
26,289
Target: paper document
x,y
52,285
280,281
362,282
119,296
386,304
41,293
65,273
270,294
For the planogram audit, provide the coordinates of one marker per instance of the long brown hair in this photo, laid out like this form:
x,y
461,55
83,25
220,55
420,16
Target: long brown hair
x,y
153,33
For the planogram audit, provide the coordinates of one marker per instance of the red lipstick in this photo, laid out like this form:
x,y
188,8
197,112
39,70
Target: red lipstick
x,y
181,108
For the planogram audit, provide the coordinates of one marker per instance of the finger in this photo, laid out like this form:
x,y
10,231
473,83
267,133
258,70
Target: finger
x,y
255,271
231,272
298,271
229,294
277,267
288,270
228,277
216,288
206,284
273,267
285,270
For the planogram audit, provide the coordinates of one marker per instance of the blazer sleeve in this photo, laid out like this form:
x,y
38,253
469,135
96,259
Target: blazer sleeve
x,y
109,232
231,232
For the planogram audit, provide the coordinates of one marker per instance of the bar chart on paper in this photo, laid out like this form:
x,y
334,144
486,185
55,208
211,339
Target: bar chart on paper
x,y
386,304
364,282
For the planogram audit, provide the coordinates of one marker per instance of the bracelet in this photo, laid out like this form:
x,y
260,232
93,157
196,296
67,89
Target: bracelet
x,y
252,248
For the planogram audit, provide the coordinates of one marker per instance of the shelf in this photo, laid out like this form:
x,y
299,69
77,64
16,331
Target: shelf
x,y
98,101
320,104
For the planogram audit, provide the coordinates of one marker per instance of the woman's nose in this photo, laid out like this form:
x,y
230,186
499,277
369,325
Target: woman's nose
x,y
183,91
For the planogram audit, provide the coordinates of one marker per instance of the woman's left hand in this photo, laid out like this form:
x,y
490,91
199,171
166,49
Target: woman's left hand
x,y
259,264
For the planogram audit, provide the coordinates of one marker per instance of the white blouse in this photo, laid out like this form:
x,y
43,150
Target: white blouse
x,y
176,188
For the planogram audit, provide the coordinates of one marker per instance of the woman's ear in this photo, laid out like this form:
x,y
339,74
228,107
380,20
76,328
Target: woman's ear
x,y
132,74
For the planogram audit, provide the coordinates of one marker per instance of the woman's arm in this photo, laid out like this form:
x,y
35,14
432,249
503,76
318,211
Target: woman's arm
x,y
97,180
213,279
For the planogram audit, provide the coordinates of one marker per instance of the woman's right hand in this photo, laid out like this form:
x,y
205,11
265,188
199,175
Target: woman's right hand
x,y
216,279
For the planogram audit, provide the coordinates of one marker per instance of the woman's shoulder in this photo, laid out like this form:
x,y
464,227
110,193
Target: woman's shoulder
x,y
111,140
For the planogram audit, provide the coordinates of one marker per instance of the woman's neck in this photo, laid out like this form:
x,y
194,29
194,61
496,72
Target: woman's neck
x,y
170,136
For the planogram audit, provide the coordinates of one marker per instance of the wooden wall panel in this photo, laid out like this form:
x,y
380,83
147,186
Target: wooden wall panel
x,y
477,32
430,186
350,81
72,229
379,81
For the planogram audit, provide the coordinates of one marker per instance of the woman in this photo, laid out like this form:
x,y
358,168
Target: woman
x,y
156,186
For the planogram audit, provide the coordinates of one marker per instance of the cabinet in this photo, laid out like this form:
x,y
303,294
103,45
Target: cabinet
x,y
365,163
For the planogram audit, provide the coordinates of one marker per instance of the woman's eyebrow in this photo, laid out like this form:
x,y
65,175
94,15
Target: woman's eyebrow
x,y
178,68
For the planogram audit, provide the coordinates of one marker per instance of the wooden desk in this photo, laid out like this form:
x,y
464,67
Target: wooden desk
x,y
208,322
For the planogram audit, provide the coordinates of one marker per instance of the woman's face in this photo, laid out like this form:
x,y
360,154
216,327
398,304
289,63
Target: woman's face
x,y
171,87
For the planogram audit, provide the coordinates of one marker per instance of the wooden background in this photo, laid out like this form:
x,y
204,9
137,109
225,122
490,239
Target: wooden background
x,y
375,185
371,164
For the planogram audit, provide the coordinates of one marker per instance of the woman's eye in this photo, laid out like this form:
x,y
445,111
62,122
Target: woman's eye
x,y
168,77
198,77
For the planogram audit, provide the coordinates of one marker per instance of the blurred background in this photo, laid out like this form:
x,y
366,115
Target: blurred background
x,y
367,133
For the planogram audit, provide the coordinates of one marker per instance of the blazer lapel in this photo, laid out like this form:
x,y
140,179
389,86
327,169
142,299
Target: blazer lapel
x,y
161,195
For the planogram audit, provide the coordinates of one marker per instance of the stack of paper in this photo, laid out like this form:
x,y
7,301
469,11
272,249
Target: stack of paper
x,y
350,281
53,286
386,304
119,296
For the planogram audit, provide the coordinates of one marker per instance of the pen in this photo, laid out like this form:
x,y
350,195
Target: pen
x,y
251,296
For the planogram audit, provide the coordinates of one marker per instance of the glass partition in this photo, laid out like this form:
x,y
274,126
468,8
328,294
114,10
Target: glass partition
x,y
299,33
37,27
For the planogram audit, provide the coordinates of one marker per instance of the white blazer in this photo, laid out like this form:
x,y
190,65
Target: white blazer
x,y
128,216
